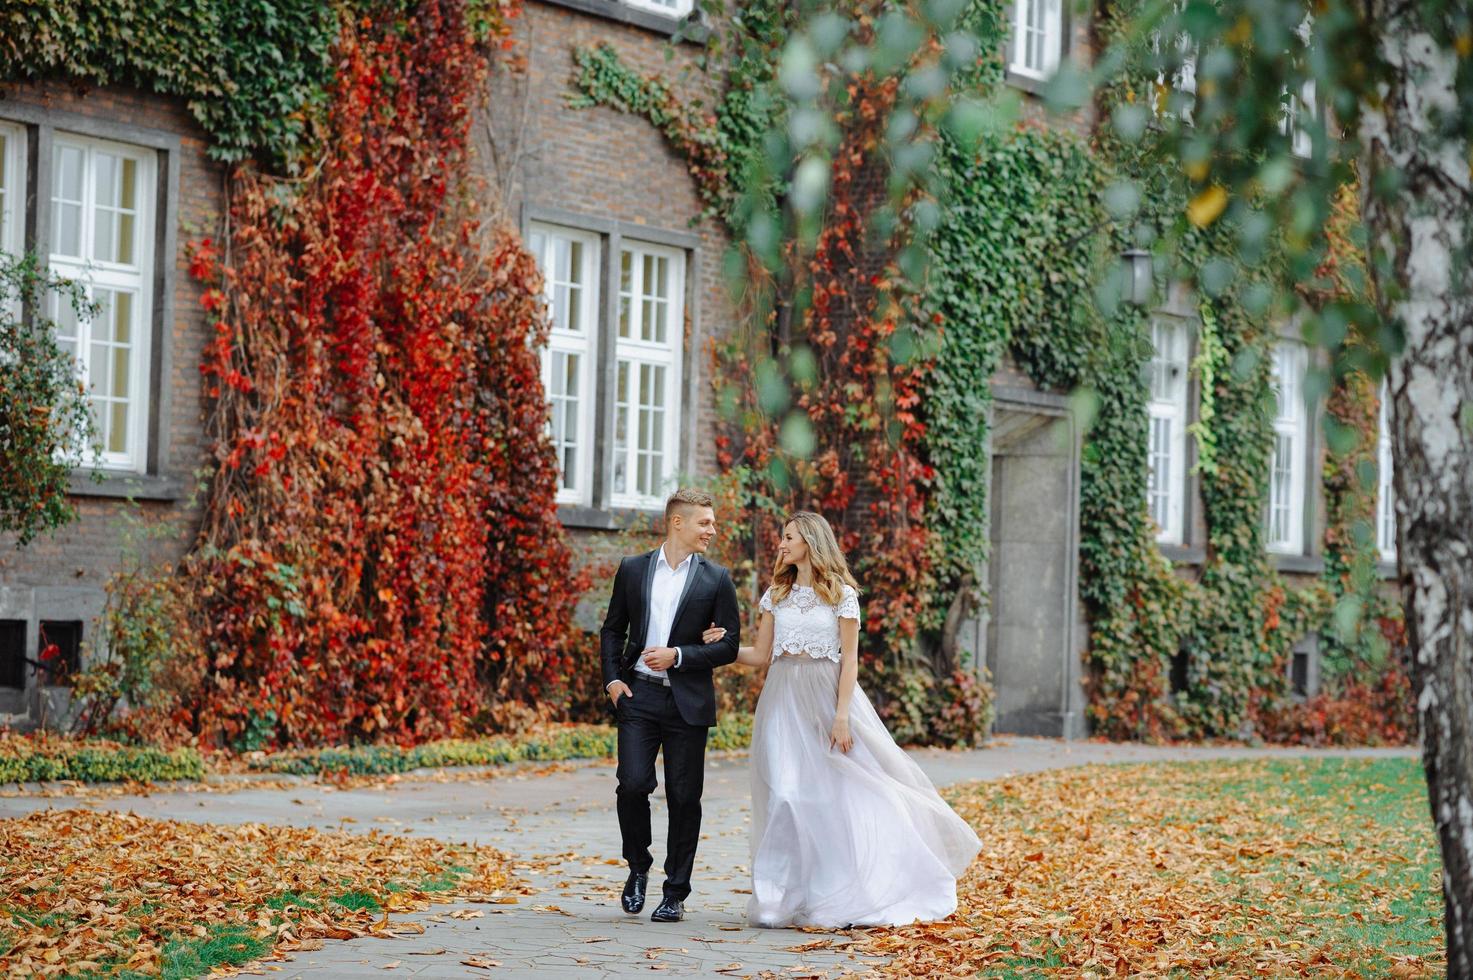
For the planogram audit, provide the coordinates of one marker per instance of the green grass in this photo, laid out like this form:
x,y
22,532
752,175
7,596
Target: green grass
x,y
230,946
287,899
1332,854
186,957
1381,809
357,900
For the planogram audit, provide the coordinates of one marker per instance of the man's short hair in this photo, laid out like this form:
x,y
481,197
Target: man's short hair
x,y
682,500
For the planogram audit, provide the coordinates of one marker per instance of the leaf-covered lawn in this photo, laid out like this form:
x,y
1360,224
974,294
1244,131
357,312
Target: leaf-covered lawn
x,y
107,894
1263,868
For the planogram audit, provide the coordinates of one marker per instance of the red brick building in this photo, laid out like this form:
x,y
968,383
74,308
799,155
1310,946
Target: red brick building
x,y
115,182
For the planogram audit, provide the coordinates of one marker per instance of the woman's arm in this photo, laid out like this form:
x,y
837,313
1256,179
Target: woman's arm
x,y
839,736
760,653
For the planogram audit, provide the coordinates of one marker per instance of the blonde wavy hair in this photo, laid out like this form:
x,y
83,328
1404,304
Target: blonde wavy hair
x,y
830,569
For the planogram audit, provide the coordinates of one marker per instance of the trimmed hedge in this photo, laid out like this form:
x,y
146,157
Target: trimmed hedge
x,y
35,760
576,742
42,759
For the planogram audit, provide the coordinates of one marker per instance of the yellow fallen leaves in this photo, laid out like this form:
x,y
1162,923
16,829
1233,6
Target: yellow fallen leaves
x,y
79,887
1316,868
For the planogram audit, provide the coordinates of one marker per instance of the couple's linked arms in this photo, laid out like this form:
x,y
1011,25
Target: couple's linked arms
x,y
759,655
756,655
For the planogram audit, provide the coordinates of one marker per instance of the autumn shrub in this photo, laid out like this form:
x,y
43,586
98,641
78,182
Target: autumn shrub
x,y
962,710
903,696
149,664
1381,712
42,758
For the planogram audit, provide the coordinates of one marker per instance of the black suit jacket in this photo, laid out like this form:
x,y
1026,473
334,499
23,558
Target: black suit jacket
x,y
709,597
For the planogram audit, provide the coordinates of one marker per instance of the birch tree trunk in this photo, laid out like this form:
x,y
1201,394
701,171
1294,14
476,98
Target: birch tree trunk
x,y
1421,232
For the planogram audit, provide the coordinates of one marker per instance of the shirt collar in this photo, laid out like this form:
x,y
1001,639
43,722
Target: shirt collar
x,y
660,559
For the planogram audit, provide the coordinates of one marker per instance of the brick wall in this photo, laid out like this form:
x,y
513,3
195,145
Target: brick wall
x,y
61,576
608,165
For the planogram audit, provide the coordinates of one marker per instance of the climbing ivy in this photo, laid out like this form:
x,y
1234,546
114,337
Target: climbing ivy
x,y
252,71
1018,251
1012,257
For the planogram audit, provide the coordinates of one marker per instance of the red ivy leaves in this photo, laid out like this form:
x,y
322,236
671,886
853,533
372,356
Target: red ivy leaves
x,y
382,549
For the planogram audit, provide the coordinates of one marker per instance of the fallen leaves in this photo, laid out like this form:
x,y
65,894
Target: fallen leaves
x,y
114,888
1237,869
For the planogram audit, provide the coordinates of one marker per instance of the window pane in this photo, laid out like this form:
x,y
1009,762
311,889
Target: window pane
x,y
4,191
651,426
1281,490
564,395
68,174
121,364
574,317
1158,482
127,237
117,434
121,319
97,369
560,249
67,324
622,409
626,292
1386,493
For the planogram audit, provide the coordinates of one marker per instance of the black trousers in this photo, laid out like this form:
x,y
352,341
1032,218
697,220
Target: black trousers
x,y
649,722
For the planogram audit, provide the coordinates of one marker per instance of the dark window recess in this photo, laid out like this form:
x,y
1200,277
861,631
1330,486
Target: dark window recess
x,y
13,653
1179,671
1299,673
59,651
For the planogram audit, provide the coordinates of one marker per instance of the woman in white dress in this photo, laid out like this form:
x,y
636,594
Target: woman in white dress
x,y
846,829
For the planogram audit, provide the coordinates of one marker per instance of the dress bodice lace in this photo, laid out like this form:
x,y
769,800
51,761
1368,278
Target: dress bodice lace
x,y
802,623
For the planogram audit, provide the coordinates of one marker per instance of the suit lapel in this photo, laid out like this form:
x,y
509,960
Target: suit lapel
x,y
644,595
697,567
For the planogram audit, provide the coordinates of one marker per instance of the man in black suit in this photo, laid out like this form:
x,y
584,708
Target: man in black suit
x,y
658,675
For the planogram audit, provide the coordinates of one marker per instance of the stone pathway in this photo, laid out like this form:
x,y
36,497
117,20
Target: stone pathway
x,y
563,824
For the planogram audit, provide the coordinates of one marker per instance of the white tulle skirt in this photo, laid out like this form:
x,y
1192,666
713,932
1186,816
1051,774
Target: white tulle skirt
x,y
838,838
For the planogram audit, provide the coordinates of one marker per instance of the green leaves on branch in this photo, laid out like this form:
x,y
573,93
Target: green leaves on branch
x,y
46,422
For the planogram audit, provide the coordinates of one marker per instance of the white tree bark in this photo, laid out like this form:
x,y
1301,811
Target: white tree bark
x,y
1422,234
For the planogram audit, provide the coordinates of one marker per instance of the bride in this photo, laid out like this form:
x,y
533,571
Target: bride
x,y
846,829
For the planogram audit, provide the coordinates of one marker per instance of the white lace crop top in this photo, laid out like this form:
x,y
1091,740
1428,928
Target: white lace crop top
x,y
804,624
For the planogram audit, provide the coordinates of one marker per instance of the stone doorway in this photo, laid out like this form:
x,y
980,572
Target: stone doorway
x,y
1033,635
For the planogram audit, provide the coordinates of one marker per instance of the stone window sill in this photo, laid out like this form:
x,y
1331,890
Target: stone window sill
x,y
125,486
610,519
693,33
1304,564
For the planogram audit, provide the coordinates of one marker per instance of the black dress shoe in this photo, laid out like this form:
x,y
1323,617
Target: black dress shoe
x,y
670,910
633,900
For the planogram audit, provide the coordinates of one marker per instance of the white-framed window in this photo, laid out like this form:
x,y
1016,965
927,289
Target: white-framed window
x,y
1285,516
12,188
1038,37
1183,79
1294,111
1166,481
667,8
12,198
651,331
102,206
570,264
1385,490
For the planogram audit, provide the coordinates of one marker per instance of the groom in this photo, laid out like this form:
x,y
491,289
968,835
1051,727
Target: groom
x,y
658,675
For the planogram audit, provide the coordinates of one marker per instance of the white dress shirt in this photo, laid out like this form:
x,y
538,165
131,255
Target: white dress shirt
x,y
666,588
